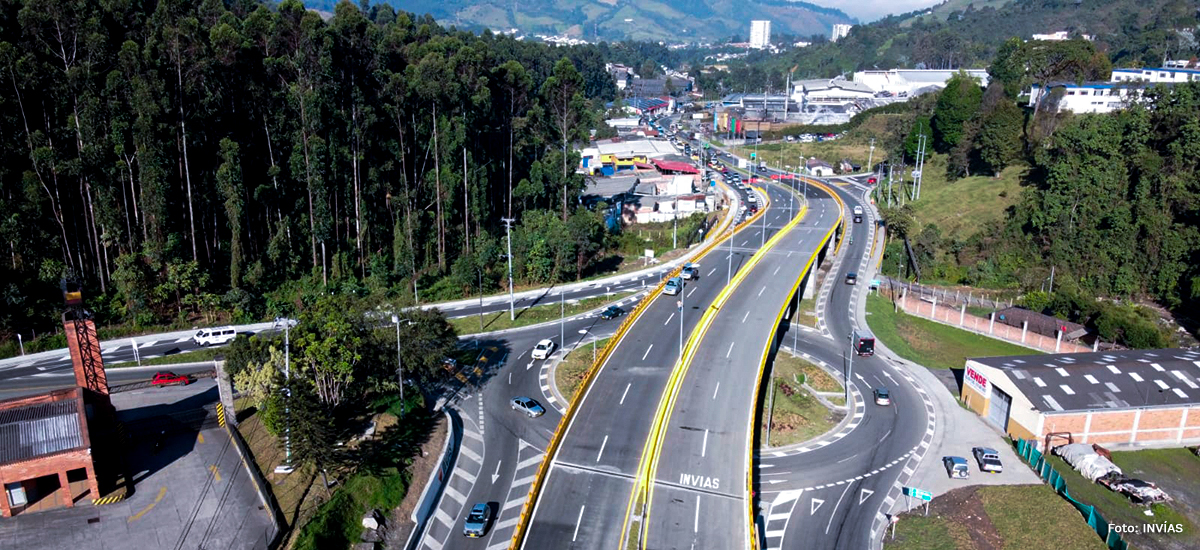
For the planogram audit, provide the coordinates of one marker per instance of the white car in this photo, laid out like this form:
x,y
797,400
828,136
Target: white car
x,y
214,336
543,349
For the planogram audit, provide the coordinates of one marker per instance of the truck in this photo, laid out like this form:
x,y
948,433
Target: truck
x,y
743,163
864,343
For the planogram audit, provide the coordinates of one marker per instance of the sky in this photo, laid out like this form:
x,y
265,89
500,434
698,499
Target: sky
x,y
869,10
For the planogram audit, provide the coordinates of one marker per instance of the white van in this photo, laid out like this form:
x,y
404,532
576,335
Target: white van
x,y
858,210
214,336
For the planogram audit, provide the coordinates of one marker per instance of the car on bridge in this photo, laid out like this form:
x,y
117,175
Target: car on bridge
x,y
543,349
674,286
612,312
531,408
168,378
690,272
477,521
988,459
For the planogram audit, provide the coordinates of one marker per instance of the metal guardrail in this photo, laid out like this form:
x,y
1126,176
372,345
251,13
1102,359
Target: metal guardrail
x,y
589,377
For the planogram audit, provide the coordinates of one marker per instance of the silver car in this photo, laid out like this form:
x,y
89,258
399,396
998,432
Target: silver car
x,y
528,406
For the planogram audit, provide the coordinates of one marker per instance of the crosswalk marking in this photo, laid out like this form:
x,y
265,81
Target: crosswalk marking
x,y
471,454
454,494
529,462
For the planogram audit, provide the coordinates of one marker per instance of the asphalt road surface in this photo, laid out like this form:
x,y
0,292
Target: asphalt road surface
x,y
700,497
588,487
830,496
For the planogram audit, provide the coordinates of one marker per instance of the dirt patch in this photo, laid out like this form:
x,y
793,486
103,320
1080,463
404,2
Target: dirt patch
x,y
967,521
422,465
818,379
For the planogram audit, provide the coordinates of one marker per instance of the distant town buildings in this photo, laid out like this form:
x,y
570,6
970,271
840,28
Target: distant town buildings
x,y
1154,75
760,34
1058,36
911,82
840,30
1124,87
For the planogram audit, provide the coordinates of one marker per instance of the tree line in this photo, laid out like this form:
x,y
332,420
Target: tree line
x,y
1109,200
185,157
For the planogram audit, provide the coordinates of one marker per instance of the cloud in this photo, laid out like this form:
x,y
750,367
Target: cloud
x,y
870,10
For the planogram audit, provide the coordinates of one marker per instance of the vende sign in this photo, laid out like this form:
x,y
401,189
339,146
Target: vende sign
x,y
977,381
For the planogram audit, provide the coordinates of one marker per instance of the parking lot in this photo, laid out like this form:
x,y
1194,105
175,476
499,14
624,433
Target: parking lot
x,y
191,489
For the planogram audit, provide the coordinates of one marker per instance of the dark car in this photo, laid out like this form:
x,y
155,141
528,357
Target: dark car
x,y
167,378
690,272
476,524
612,312
851,278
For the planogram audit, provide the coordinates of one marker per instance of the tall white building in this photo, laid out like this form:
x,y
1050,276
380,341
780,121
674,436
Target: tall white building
x,y
840,30
760,34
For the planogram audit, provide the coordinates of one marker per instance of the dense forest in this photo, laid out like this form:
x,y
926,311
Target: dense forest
x,y
185,157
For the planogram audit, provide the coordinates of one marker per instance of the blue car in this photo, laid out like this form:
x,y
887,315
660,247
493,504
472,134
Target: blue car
x,y
476,524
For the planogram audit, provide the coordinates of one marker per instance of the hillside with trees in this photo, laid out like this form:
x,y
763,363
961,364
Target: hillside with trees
x,y
233,160
1110,202
1130,32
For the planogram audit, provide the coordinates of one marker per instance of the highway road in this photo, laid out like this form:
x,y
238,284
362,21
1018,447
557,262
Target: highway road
x,y
699,498
502,448
584,500
829,495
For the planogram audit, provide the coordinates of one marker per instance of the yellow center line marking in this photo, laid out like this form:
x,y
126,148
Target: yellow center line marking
x,y
200,438
215,472
161,493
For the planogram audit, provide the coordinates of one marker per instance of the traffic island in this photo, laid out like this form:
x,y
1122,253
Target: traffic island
x,y
569,372
798,409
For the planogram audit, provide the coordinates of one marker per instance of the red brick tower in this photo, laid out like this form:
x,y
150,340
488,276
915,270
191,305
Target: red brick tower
x,y
84,346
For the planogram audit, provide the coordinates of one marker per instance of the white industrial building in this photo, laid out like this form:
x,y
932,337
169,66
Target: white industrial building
x,y
760,34
911,82
1094,97
834,91
1155,75
840,30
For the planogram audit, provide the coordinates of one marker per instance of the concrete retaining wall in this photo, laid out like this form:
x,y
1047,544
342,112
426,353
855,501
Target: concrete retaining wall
x,y
437,478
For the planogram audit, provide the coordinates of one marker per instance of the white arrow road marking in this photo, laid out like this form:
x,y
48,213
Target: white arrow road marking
x,y
860,377
814,504
864,494
497,474
529,366
889,376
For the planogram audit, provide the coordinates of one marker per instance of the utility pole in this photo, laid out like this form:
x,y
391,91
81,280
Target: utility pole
x,y
512,311
871,157
1051,280
399,363
675,229
562,323
286,467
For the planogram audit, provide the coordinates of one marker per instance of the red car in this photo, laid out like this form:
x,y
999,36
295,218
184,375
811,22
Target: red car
x,y
871,180
167,378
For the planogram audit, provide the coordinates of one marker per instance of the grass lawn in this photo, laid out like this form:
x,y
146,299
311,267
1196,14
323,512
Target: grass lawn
x,y
961,207
1010,517
202,354
1176,471
931,344
569,372
530,316
796,415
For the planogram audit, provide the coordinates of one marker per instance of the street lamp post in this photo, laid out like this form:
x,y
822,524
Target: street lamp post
x,y
399,364
21,343
286,467
512,310
849,366
562,319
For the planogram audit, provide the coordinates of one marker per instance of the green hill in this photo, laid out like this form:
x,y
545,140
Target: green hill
x,y
652,20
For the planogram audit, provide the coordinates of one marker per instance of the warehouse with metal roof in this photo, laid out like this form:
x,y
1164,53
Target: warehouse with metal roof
x,y
45,451
1118,398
